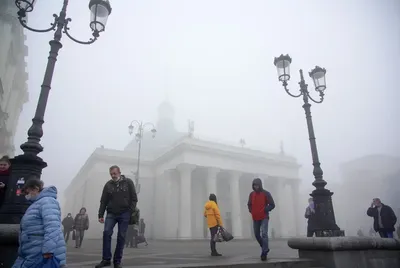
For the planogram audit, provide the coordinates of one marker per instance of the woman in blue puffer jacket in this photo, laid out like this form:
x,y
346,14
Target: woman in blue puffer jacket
x,y
40,236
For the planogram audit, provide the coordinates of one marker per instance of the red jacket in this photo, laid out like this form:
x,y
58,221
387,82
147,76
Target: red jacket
x,y
260,202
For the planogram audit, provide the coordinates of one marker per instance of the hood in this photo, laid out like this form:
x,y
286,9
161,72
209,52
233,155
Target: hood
x,y
257,181
209,204
50,191
213,197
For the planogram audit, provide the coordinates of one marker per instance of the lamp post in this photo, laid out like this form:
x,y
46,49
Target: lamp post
x,y
141,127
325,221
29,165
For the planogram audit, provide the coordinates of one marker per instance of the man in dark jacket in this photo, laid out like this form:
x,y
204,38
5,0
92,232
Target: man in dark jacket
x,y
260,204
384,218
68,224
119,200
310,216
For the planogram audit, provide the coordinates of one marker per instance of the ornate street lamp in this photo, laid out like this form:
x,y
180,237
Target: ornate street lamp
x,y
324,213
141,127
29,164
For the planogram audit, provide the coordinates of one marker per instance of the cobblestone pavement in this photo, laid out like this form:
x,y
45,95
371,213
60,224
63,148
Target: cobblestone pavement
x,y
178,253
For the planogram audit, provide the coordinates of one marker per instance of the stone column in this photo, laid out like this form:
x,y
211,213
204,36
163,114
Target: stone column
x,y
185,211
235,201
279,205
295,185
212,181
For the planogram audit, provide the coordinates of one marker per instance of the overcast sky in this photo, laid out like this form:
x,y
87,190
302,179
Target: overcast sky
x,y
214,61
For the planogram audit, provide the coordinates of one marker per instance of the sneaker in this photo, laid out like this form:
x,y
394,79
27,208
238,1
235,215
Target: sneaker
x,y
117,265
263,257
215,254
103,263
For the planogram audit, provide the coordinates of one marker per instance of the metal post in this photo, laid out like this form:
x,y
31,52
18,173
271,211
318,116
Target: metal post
x,y
325,221
137,186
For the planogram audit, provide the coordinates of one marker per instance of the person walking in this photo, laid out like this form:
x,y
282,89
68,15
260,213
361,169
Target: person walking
x,y
119,200
40,235
260,204
4,177
81,224
142,230
68,225
213,215
384,218
310,216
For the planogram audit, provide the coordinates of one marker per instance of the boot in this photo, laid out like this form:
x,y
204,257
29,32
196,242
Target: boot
x,y
215,254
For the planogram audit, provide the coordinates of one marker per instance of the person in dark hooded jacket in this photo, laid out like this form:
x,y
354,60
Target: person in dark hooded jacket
x,y
260,204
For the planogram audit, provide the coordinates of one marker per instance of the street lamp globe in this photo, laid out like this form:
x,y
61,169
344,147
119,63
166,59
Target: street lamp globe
x,y
25,5
100,10
130,129
282,64
154,132
318,76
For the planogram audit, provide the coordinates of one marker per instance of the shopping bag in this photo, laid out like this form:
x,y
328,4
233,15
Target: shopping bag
x,y
49,263
227,236
73,235
218,236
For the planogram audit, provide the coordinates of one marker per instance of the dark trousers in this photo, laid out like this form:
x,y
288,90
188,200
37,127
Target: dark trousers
x,y
213,232
310,233
111,220
66,235
385,234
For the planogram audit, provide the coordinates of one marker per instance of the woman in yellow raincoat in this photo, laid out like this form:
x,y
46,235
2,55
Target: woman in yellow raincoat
x,y
211,212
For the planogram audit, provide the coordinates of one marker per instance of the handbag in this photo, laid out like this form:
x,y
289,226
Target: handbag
x,y
49,263
73,235
218,236
227,236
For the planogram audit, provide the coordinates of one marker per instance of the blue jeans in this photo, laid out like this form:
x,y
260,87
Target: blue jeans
x,y
111,220
261,234
385,234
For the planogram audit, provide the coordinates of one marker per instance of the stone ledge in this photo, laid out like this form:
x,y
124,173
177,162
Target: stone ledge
x,y
343,243
9,234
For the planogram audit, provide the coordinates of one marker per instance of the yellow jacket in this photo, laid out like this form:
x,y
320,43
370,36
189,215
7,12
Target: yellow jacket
x,y
211,212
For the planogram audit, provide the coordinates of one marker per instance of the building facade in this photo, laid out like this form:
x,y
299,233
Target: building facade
x,y
13,74
363,179
178,172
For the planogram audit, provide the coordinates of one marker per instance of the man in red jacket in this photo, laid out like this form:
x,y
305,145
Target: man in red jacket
x,y
260,204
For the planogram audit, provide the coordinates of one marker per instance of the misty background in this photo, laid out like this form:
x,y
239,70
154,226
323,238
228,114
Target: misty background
x,y
213,60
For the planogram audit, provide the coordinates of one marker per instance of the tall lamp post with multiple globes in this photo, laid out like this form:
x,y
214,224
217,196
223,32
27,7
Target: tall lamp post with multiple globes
x,y
325,221
141,127
29,164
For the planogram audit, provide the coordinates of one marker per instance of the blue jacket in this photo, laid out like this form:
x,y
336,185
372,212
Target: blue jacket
x,y
41,231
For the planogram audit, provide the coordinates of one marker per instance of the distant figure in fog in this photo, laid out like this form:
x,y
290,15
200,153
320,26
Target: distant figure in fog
x,y
81,224
40,235
310,216
371,232
360,232
68,224
142,230
260,204
4,176
213,215
384,218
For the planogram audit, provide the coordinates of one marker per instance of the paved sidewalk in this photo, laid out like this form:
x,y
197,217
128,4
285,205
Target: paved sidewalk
x,y
177,253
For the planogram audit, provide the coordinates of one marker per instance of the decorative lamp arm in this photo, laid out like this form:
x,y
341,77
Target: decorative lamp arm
x,y
321,97
285,84
91,40
22,21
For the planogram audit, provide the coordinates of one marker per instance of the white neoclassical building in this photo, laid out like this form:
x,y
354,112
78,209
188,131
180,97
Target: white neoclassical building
x,y
13,74
179,172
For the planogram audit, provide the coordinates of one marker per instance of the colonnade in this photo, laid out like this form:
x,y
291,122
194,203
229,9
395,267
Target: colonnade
x,y
180,191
